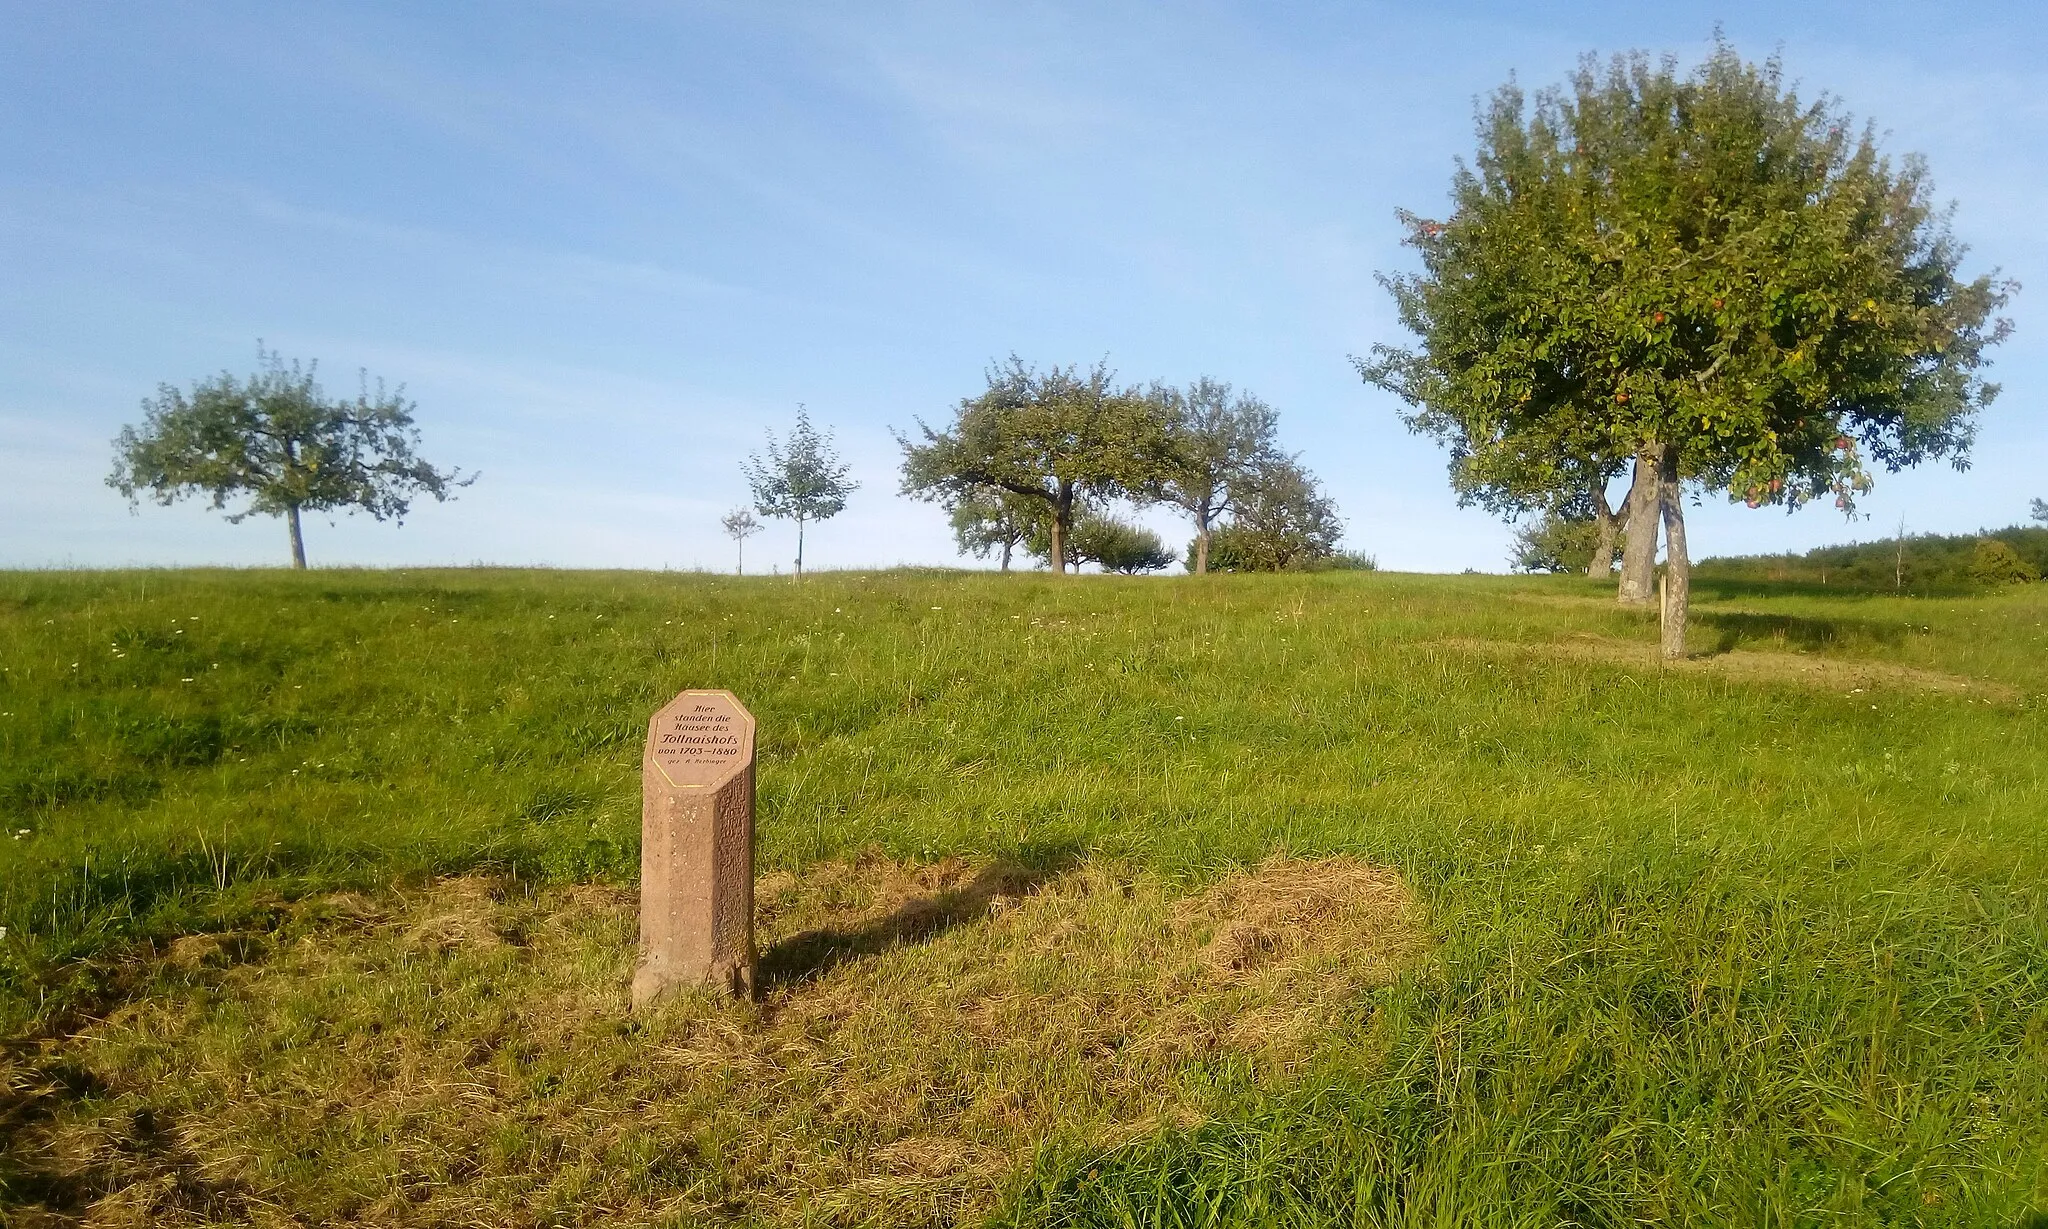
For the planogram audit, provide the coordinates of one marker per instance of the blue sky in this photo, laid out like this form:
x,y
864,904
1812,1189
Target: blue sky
x,y
605,245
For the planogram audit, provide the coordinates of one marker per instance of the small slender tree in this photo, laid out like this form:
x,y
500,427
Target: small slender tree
x,y
1060,439
277,441
739,525
2040,512
800,480
1220,439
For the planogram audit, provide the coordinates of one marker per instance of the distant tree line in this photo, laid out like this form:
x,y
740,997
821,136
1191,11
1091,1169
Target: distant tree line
x,y
1037,461
1920,563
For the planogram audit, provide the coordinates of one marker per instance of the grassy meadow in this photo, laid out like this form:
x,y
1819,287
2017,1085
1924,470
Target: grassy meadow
x,y
1359,899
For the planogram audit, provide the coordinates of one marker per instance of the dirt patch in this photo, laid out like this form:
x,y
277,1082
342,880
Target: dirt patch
x,y
464,1054
1799,669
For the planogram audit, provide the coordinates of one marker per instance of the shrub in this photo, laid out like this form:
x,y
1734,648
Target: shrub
x,y
1286,524
1996,563
1277,545
1553,543
1116,545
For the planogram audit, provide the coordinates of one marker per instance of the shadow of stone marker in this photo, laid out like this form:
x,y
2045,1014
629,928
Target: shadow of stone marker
x,y
697,848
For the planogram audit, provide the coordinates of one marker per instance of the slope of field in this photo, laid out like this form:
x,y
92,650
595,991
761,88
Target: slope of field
x,y
1346,898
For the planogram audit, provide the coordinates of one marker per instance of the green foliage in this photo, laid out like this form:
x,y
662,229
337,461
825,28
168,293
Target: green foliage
x,y
1347,561
1702,268
1284,524
1554,542
1116,545
739,524
1924,563
2040,511
1060,439
277,441
1995,563
990,520
801,481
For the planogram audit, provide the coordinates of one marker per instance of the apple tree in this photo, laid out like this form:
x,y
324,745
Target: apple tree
x,y
1060,440
1220,440
277,440
1698,276
800,479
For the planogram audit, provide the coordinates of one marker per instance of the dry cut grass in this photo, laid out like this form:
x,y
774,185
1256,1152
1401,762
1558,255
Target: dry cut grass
x,y
1754,666
463,1055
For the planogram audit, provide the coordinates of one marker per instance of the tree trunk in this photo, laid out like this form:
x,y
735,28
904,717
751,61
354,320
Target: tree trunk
x,y
1605,522
1006,554
298,539
1202,542
1062,521
799,546
741,570
1899,563
1639,543
1677,563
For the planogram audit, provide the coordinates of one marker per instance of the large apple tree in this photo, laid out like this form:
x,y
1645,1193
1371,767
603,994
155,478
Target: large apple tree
x,y
278,442
1698,277
1058,440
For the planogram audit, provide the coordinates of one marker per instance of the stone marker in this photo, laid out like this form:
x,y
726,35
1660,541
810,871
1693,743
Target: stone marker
x,y
697,848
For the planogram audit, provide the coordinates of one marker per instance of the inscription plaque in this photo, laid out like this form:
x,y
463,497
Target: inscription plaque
x,y
697,848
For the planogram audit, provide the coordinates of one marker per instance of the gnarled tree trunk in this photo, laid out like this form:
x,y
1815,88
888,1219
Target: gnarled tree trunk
x,y
1062,523
1606,522
1205,518
1639,543
1677,563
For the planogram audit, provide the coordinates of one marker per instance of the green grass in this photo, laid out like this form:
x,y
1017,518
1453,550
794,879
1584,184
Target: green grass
x,y
1717,946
